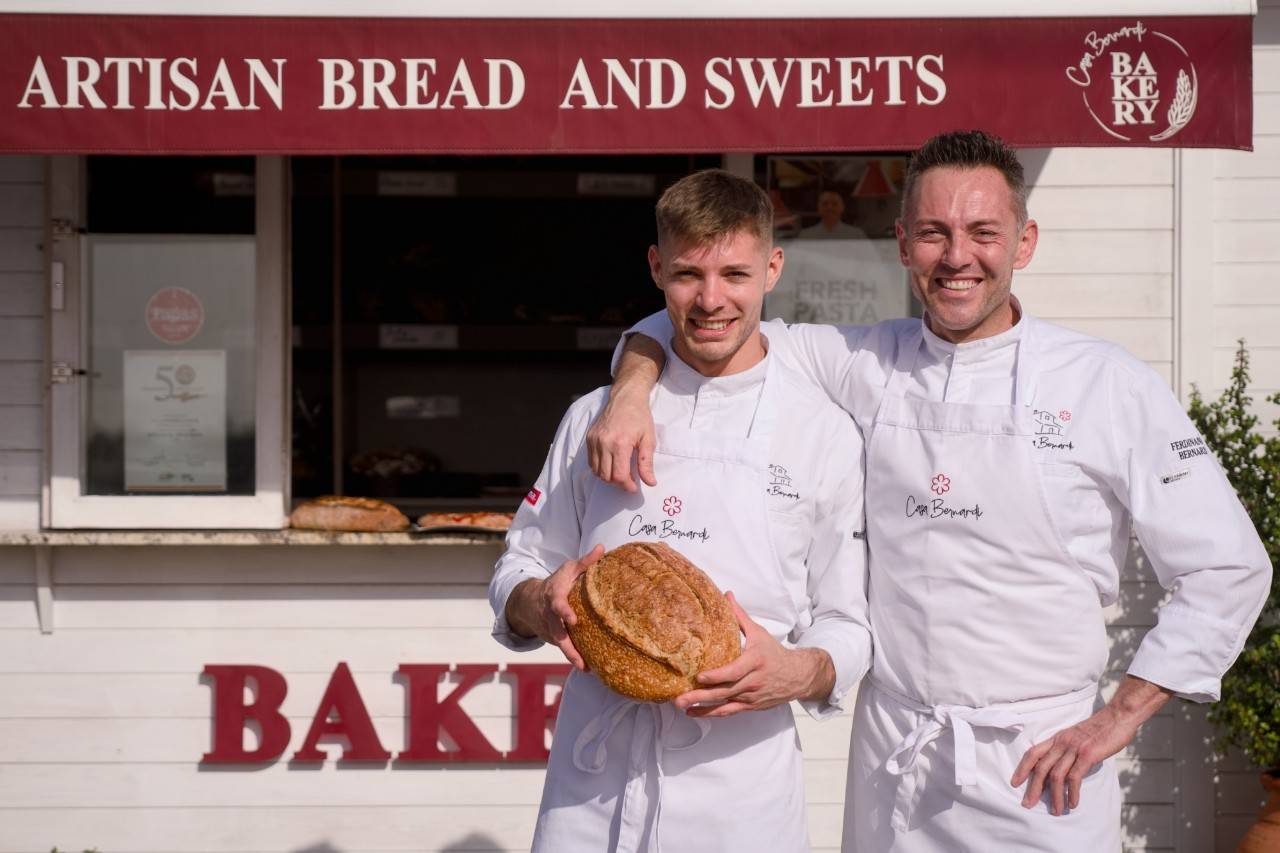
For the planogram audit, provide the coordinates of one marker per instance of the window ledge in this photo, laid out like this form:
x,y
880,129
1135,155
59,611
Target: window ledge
x,y
239,537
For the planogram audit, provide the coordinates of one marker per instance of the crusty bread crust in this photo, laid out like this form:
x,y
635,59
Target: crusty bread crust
x,y
335,512
649,621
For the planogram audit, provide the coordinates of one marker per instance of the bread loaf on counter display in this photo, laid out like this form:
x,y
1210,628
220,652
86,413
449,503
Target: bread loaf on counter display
x,y
333,512
649,621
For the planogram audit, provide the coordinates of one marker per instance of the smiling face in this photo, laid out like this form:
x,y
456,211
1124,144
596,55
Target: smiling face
x,y
961,241
715,292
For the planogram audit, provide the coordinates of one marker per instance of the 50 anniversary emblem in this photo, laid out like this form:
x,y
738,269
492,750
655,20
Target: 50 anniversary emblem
x,y
1139,83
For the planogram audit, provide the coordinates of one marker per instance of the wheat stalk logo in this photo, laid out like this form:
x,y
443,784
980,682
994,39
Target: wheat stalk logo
x,y
1182,108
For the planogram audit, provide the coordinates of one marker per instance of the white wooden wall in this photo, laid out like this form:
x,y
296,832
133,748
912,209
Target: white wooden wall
x,y
22,301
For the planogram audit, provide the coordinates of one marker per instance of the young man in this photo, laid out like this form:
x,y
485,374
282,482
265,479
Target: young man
x,y
754,494
1006,458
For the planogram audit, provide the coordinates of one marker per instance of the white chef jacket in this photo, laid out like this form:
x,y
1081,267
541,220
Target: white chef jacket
x,y
814,488
1118,453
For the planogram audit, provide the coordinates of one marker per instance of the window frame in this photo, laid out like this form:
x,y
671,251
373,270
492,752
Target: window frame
x,y
64,506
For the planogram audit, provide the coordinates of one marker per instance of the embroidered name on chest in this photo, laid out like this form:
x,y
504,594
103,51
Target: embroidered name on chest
x,y
780,484
931,508
665,529
1051,430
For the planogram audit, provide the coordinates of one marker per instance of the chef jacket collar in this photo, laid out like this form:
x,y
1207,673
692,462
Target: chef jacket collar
x,y
971,352
682,379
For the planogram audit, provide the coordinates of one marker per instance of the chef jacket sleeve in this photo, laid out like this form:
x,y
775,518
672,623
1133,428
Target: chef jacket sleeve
x,y
1196,535
546,530
837,568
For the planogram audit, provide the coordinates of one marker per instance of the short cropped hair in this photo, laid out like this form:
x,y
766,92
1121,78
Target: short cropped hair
x,y
968,149
709,205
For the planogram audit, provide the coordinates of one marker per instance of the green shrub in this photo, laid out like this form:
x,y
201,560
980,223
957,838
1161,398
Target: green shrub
x,y
1248,716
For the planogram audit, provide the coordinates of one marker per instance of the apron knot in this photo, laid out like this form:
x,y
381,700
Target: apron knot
x,y
961,720
653,725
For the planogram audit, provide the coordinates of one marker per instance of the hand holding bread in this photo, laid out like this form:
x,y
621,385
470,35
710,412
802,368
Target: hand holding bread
x,y
540,608
766,674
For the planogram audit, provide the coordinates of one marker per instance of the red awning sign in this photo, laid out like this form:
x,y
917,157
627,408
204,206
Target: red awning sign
x,y
322,85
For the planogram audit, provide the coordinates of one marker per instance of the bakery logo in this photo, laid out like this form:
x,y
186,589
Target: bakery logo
x,y
1050,429
533,497
1139,84
780,484
1189,447
930,508
671,506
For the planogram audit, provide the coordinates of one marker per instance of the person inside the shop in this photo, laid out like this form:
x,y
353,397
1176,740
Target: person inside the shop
x,y
1007,461
765,475
831,224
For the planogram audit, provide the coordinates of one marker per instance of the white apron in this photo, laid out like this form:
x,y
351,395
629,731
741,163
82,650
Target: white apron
x,y
988,635
627,776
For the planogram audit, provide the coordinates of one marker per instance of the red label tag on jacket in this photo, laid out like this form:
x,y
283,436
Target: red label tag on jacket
x,y
532,497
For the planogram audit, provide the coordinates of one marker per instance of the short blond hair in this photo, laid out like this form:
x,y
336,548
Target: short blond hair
x,y
709,205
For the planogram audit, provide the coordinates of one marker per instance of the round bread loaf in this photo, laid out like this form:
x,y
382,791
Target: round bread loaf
x,y
333,512
649,621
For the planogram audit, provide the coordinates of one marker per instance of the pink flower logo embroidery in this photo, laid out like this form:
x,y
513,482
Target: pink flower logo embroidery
x,y
671,506
1064,415
941,484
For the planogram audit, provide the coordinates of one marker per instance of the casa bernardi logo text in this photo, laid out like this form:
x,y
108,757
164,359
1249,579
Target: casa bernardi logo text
x,y
1139,84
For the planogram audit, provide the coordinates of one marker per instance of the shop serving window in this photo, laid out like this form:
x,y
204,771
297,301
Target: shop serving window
x,y
834,218
447,310
167,339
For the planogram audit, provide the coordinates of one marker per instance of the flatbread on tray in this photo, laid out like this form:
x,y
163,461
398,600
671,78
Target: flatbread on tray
x,y
464,522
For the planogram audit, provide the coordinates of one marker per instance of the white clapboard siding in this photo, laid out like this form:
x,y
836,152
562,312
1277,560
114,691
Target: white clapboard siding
x,y
1079,208
245,566
20,382
1140,252
23,292
21,338
1095,296
1246,200
1262,162
22,300
19,473
1236,283
1106,168
20,249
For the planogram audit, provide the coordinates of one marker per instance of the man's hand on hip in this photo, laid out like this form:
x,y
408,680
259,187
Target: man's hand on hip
x,y
1062,761
540,608
625,427
764,675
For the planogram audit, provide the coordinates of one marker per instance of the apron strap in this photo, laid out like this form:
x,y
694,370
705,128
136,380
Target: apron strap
x,y
653,723
961,720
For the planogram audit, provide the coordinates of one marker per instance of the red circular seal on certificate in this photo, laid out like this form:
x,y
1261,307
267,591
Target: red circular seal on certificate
x,y
174,315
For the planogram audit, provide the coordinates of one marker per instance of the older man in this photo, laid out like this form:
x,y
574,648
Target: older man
x,y
1006,460
749,495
